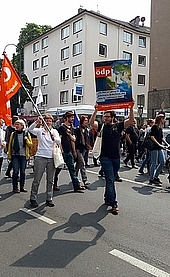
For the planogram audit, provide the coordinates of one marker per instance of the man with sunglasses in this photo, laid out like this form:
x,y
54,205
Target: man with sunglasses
x,y
110,151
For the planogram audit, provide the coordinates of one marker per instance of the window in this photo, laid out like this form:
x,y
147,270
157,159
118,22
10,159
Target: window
x,y
36,64
45,99
64,74
44,80
103,28
75,98
142,60
44,61
64,97
142,42
36,47
77,71
141,80
127,37
77,48
127,56
141,100
65,32
44,103
103,50
36,82
77,26
44,42
65,53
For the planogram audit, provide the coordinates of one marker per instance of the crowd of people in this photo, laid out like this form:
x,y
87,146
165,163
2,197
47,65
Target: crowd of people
x,y
21,140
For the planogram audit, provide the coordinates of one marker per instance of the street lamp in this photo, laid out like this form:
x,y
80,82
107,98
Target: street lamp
x,y
19,91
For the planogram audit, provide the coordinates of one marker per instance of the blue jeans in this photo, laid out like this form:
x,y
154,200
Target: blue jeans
x,y
147,159
157,163
18,164
69,160
110,168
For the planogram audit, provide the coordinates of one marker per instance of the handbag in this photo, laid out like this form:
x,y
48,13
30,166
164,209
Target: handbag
x,y
58,156
97,145
148,142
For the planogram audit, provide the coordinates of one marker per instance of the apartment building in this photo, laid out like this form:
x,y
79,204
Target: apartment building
x,y
65,55
159,84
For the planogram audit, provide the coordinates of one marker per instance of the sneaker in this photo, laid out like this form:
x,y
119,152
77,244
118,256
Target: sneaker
x,y
141,171
8,176
118,179
86,183
114,209
56,188
101,173
23,190
49,203
16,190
153,181
134,166
34,203
125,163
158,180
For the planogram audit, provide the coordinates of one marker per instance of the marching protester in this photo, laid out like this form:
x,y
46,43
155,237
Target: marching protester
x,y
157,154
81,146
131,143
46,136
66,132
110,151
18,153
2,142
150,123
8,132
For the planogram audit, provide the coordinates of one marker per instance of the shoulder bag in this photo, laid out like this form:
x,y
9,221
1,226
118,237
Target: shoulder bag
x,y
58,156
97,145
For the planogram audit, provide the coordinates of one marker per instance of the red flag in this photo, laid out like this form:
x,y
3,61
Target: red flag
x,y
5,113
10,81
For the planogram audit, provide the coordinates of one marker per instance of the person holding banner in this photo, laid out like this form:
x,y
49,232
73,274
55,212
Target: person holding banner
x,y
46,136
110,151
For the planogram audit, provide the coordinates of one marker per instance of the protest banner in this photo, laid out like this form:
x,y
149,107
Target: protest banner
x,y
113,84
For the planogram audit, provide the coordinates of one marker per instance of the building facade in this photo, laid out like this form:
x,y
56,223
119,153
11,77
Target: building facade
x,y
159,81
65,55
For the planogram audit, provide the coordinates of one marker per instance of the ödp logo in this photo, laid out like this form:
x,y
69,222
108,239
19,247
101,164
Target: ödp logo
x,y
103,71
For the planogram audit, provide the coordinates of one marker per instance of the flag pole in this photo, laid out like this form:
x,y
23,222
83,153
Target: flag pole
x,y
36,108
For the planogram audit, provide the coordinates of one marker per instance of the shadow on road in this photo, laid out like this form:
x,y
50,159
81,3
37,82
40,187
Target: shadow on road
x,y
58,253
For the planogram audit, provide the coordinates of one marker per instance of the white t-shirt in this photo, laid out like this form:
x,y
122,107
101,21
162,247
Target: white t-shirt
x,y
45,143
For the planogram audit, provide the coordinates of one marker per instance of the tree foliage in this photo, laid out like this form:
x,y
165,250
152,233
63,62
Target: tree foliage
x,y
27,34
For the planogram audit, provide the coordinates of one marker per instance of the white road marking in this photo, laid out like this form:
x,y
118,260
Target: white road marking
x,y
40,217
142,265
133,182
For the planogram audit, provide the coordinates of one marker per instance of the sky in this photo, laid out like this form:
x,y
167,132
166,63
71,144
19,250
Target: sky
x,y
16,13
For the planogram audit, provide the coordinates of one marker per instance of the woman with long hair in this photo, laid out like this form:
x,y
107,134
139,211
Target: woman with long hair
x,y
81,145
157,154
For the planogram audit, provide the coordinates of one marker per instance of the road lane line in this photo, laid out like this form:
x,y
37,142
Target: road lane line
x,y
133,182
138,263
40,217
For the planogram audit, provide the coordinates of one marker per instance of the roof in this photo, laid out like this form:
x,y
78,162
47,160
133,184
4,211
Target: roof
x,y
128,25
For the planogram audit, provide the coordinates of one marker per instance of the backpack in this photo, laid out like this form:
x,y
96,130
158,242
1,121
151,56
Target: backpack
x,y
148,142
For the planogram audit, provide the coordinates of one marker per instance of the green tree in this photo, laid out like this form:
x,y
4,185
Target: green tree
x,y
27,34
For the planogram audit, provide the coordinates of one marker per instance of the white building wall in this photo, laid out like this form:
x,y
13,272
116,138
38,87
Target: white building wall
x,y
90,37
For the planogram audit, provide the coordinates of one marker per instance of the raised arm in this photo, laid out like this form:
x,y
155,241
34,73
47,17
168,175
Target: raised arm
x,y
130,120
93,117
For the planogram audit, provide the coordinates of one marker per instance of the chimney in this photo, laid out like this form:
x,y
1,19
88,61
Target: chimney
x,y
80,9
135,21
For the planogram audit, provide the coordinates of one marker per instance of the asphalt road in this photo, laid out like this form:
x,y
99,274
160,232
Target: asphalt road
x,y
79,236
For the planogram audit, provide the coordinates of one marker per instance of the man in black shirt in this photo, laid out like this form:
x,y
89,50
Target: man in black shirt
x,y
66,133
110,151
